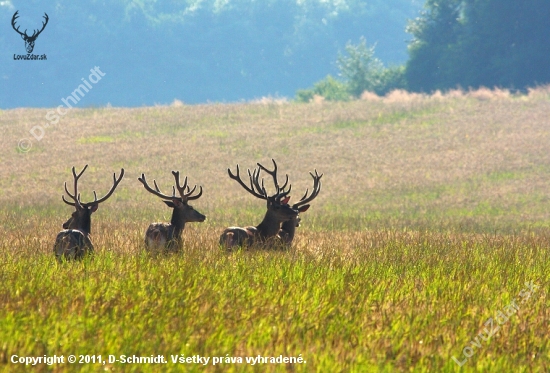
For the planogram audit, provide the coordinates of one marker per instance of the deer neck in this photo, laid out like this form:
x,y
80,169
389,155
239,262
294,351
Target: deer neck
x,y
288,229
269,227
177,223
84,224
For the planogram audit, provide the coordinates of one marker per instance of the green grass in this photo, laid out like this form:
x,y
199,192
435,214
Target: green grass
x,y
95,140
388,301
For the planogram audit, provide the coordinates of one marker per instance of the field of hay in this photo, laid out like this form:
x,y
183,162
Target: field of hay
x,y
433,218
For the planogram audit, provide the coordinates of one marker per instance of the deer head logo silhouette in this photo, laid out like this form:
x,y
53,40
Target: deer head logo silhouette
x,y
29,40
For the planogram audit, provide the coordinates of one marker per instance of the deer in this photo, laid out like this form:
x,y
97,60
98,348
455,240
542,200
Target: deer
x,y
166,237
29,40
288,228
74,242
278,211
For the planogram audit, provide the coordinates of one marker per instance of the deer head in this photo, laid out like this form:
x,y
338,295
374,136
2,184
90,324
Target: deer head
x,y
81,217
277,203
29,40
183,212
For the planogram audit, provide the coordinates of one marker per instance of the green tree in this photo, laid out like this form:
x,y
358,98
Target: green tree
x,y
359,68
329,88
435,31
473,43
360,71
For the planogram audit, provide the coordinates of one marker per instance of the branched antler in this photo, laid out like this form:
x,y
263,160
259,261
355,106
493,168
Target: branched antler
x,y
24,34
279,191
314,192
254,182
184,190
76,196
13,19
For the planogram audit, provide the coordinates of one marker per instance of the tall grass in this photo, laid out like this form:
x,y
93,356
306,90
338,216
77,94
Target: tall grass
x,y
381,300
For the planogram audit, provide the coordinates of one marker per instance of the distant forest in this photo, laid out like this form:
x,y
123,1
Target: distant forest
x,y
475,43
456,44
153,52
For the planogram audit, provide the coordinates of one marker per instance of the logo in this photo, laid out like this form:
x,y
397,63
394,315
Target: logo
x,y
29,40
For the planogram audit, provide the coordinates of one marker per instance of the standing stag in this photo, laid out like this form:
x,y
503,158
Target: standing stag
x,y
288,228
164,236
278,211
74,241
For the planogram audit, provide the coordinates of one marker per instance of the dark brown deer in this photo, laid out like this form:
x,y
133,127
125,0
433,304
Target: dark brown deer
x,y
29,40
288,228
74,241
278,211
167,237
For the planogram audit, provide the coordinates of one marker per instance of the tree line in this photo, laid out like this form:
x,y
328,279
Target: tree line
x,y
463,44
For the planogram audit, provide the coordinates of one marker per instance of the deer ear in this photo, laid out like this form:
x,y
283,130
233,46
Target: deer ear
x,y
94,207
284,201
304,208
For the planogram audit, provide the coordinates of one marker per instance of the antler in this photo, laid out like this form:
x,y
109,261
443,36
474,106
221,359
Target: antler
x,y
253,182
280,191
314,192
76,196
15,16
35,33
105,197
185,195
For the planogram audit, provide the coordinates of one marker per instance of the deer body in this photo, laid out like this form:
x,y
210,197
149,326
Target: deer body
x,y
278,211
158,235
267,230
167,236
238,236
74,242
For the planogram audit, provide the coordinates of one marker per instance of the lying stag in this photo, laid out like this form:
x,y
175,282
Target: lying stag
x,y
74,241
164,236
278,211
288,228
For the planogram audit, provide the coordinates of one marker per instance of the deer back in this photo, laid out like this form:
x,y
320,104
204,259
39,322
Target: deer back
x,y
71,244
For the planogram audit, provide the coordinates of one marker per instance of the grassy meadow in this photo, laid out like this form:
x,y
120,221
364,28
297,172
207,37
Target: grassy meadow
x,y
433,215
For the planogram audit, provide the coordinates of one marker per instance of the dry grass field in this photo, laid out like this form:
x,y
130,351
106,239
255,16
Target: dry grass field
x,y
434,213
